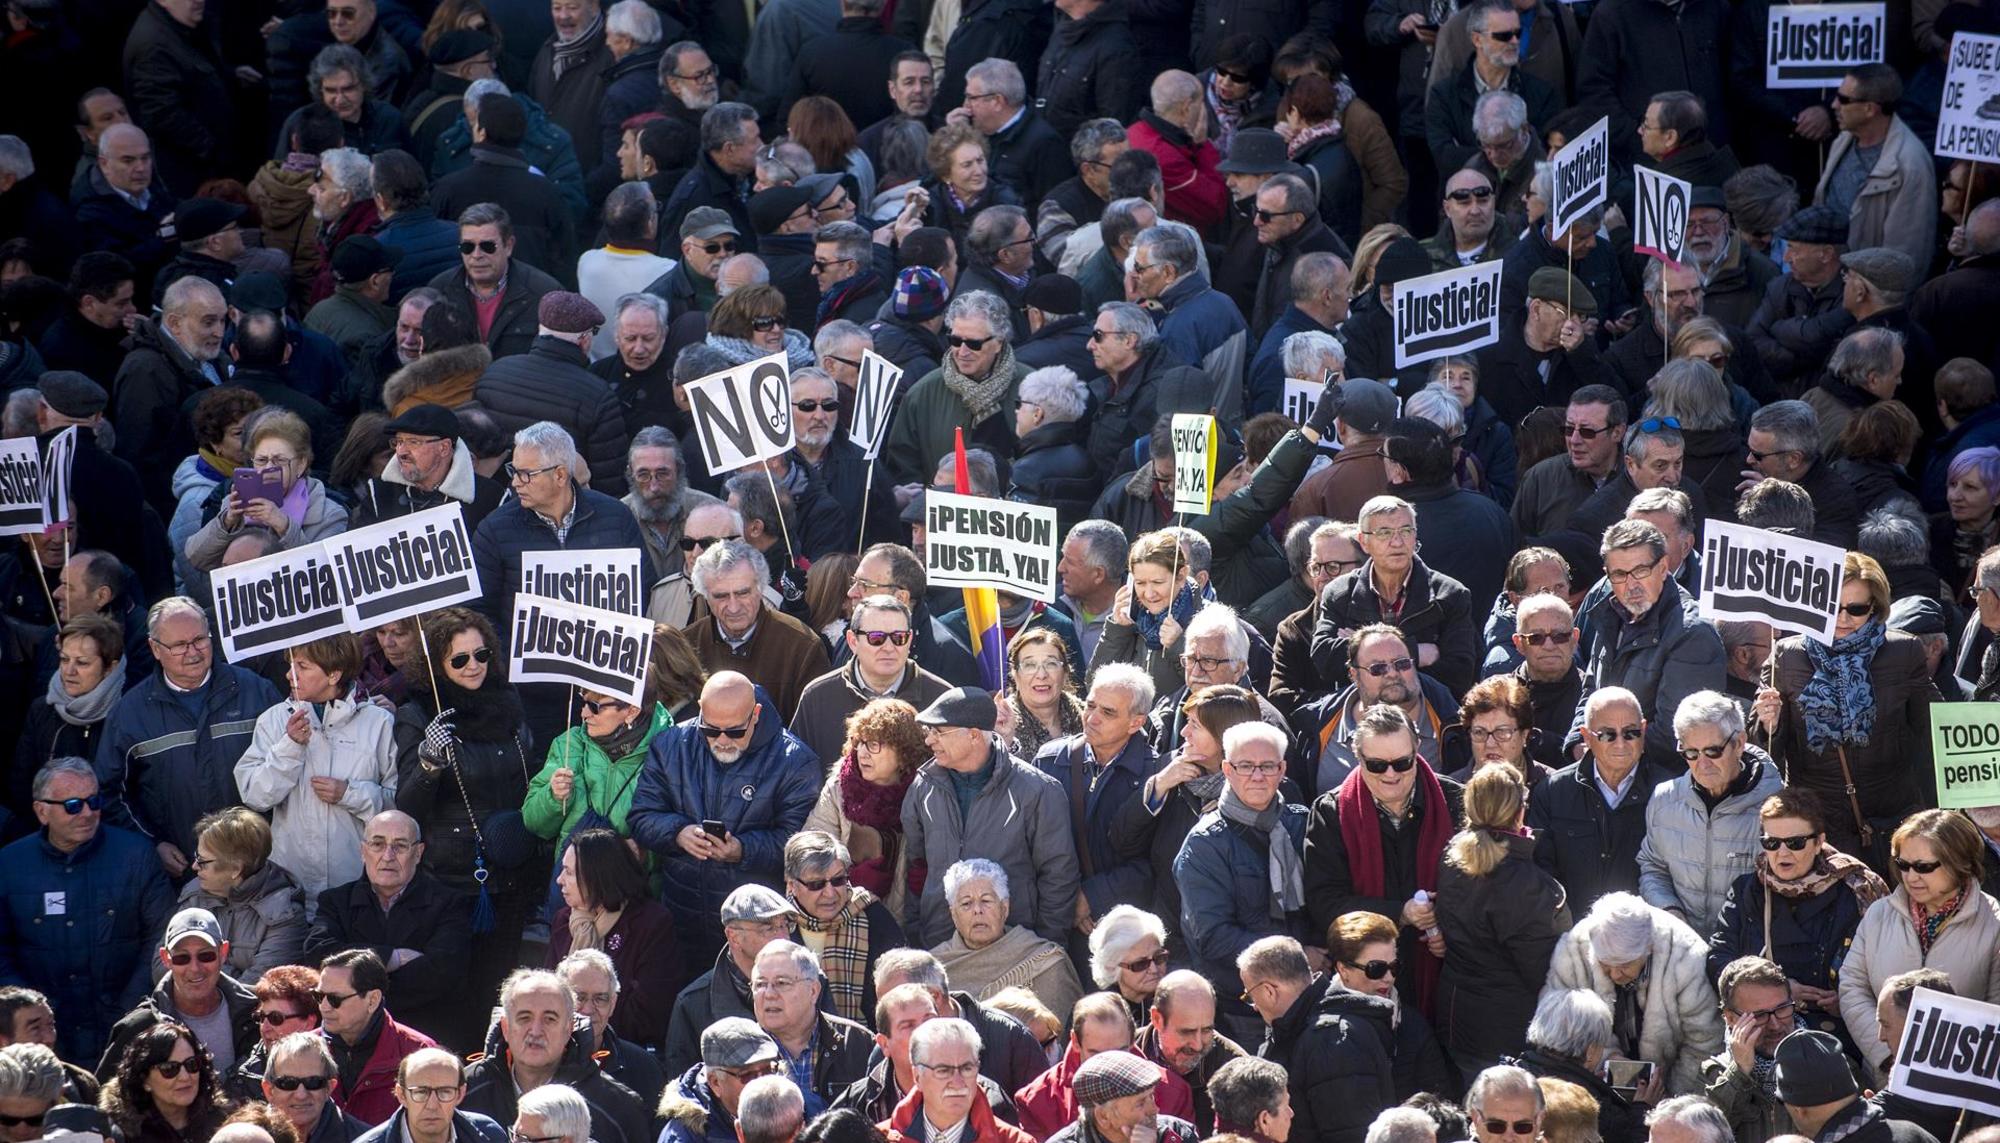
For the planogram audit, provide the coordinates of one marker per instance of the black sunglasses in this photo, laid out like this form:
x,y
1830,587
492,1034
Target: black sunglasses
x,y
182,960
1918,866
276,1018
1710,752
690,543
484,246
838,881
718,248
294,1083
170,1069
1857,610
1270,215
1157,960
767,324
596,706
714,732
810,406
20,1120
1505,37
483,655
1519,1126
1377,670
975,344
1374,969
331,999
74,806
1234,76
1470,194
1538,638
1795,844
876,638
1401,765
1612,734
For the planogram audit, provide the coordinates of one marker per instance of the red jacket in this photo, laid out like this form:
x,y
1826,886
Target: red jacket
x,y
983,1128
1048,1103
372,1099
1196,192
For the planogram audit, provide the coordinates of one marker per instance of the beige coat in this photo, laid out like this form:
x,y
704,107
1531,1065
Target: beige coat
x,y
862,842
1886,944
1897,206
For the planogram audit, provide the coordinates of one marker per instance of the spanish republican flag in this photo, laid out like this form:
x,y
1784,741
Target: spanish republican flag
x,y
982,604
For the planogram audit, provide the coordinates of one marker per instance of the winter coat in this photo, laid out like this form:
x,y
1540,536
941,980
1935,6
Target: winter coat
x,y
573,101
1682,1021
783,28
1274,283
430,917
1618,1119
1588,846
1668,654
1335,1048
143,235
849,66
510,531
1808,937
1437,609
987,29
96,974
45,737
446,377
466,1126
1795,329
1330,888
1736,286
1019,818
1692,855
646,954
829,700
162,766
1196,193
372,1097
1460,531
547,147
1511,378
707,185
515,325
390,495
1952,307
908,346
1895,207
544,225
150,398
603,784
906,1124
1500,929
1109,877
1053,470
354,741
182,93
720,992
1448,111
350,319
782,653
429,245
928,417
1885,943
1090,70
616,1114
1048,1104
325,517
285,208
1224,874
238,1003
1061,341
550,382
263,917
1635,48
490,773
1216,20
1123,411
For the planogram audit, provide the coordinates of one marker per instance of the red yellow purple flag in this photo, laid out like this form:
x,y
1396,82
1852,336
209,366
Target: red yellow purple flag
x,y
982,604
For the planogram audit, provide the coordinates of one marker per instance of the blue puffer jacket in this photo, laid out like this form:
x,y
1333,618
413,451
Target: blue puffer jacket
x,y
547,146
762,799
81,927
1224,871
509,530
1201,320
166,759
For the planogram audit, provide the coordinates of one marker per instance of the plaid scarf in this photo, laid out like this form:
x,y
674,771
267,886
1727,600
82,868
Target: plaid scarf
x,y
844,960
1927,922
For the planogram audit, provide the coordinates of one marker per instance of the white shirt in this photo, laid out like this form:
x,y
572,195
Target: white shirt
x,y
606,274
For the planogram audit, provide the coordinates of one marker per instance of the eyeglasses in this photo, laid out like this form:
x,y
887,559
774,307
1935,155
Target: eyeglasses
x,y
1571,429
970,98
1272,215
383,845
1205,662
1374,969
74,806
597,706
332,999
975,344
1709,752
1039,667
1616,733
483,655
595,999
524,475
1028,241
697,77
730,732
1502,1127
822,265
850,362
877,638
294,1083
690,543
1781,1012
20,1120
182,960
276,1018
1469,194
1256,769
1655,424
830,405
426,1094
1540,638
1917,866
1504,36
484,246
1157,960
1641,573
713,248
278,460
964,1071
1330,567
1401,765
1392,535
838,881
1758,457
1795,844
870,587
1494,734
1377,670
185,646
1857,610
171,1069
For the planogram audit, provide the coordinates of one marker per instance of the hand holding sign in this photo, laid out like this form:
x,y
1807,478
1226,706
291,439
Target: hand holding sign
x,y
1194,463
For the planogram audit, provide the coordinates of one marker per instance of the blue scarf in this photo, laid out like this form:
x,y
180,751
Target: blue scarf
x,y
1839,699
1186,603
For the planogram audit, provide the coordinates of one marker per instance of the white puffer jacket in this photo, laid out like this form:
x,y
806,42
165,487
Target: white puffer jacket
x,y
1681,1022
1967,949
317,842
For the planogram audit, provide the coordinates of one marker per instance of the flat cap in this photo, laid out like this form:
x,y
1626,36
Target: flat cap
x,y
967,707
193,923
198,218
819,187
427,421
769,209
565,312
1555,284
1708,196
72,394
1884,268
1256,151
707,222
260,290
736,1042
1114,1075
754,903
360,257
920,293
1054,294
1812,1070
1918,615
1401,260
914,514
1816,226
81,1122
1366,406
459,45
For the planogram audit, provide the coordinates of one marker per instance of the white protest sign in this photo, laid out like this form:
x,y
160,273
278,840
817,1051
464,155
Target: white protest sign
x,y
604,578
22,506
743,415
1947,1056
405,566
556,642
1815,45
874,397
1447,314
1969,118
56,465
1300,397
1751,574
277,601
1582,175
1194,463
977,541
1660,213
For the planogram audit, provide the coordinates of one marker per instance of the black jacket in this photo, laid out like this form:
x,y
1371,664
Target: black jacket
x,y
1436,609
1090,70
631,87
1953,307
1460,531
1335,1047
74,342
1634,49
1634,358
1808,937
1064,341
550,382
1029,156
1618,1121
1448,112
110,222
544,231
851,67
842,475
707,185
182,93
150,400
1216,20
237,1000
1589,847
1337,172
993,29
1510,377
908,346
1053,470
515,326
1125,412
1499,932
1274,282
1329,882
430,917
616,1113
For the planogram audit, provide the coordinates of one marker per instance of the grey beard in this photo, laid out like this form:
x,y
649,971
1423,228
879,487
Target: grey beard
x,y
655,512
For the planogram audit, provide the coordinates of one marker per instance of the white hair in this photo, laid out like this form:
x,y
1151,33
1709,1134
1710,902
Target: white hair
x,y
1306,351
1434,403
1128,677
939,1031
1570,1022
1505,1081
1621,928
480,89
1384,506
1709,708
1696,1114
562,1110
1402,1125
583,959
1256,730
1608,696
170,607
802,958
350,170
1548,601
771,1108
1116,932
552,441
725,556
15,158
635,20
974,869
1220,619
1056,389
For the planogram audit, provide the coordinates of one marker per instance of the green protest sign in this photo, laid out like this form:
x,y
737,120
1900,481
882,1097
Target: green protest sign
x,y
1965,748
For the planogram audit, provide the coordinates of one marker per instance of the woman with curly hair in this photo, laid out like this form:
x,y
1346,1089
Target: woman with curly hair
x,y
750,324
961,183
164,1089
861,805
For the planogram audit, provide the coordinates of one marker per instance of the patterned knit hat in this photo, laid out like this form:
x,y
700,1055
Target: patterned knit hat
x,y
920,293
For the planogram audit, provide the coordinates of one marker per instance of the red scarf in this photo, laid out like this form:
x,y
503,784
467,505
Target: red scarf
x,y
880,808
1362,831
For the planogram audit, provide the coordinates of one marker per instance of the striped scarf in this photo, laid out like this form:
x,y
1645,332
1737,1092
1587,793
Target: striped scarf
x,y
844,960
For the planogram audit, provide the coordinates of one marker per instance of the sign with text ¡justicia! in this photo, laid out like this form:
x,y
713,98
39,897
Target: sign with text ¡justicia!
x,y
556,642
1751,574
405,566
1446,314
277,601
1581,175
1194,463
23,506
1947,1056
1965,750
1816,45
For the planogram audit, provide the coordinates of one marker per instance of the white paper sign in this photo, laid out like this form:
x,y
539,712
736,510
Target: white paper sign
x,y
1194,463
1947,1057
56,465
277,601
743,415
605,578
1446,314
1816,45
23,506
1660,214
1581,178
556,642
1969,119
1300,397
1752,574
977,541
874,398
403,567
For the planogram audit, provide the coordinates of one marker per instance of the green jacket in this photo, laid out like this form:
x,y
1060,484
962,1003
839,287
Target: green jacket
x,y
603,783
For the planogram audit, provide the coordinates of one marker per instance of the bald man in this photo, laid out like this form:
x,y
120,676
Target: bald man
x,y
1174,129
126,211
1952,306
716,801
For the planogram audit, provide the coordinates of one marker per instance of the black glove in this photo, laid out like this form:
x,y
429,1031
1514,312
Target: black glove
x,y
439,737
1330,401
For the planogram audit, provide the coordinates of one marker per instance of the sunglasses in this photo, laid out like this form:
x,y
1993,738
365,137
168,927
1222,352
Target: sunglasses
x,y
1401,765
484,246
1795,844
483,655
1613,734
1505,37
1655,424
1233,76
1377,670
838,881
294,1083
714,732
1585,431
74,806
20,1120
597,706
877,638
1918,866
182,960
713,248
1542,638
332,999
690,543
1502,1127
171,1069
1374,969
1470,194
1157,960
1857,610
1709,752
975,344
1271,215
276,1018
810,406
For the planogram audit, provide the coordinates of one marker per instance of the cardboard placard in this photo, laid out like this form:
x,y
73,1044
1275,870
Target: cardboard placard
x,y
1946,1057
1582,175
977,541
743,415
1300,397
874,399
1965,749
1816,45
1447,314
551,641
1660,214
277,601
24,507
1752,574
606,578
404,567
1969,118
1194,463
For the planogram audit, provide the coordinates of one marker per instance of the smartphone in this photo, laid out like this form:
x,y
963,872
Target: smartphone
x,y
1627,1076
257,484
714,829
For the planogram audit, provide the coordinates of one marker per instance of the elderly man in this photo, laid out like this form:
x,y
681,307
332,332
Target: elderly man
x,y
501,293
1950,304
1136,365
1202,326
702,1103
1545,355
950,1096
555,1112
197,992
298,1078
340,80
1801,316
343,203
1509,150
1494,28
429,1084
1878,172
170,745
746,633
1783,444
1027,153
879,639
1100,770
1000,260
1674,296
752,916
1381,669
1470,232
898,1013
1545,638
660,499
1433,610
76,865
369,1045
1080,200
985,954
210,238
1174,129
1181,1037
1318,304
181,92
1552,491
1876,292
593,981
1503,1096
537,1023
1734,275
1289,228
981,364
1819,1094
551,384
840,921
689,83
1591,815
1702,826
1866,367
1758,1013
1119,1100
865,508
430,468
1091,569
720,178
637,366
843,270
717,800
626,262
1333,549
123,210
357,313
1334,1043
708,237
1652,458
892,569
1100,1024
171,362
820,1052
1010,1055
399,906
570,74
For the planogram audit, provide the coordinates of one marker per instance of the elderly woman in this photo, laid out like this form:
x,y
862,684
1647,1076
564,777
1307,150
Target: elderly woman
x,y
1050,464
164,1090
1648,966
750,324
1336,133
1128,955
1569,1039
1801,904
1252,1099
592,769
1152,611
1434,404
262,912
1968,525
217,420
1935,918
285,1005
1488,440
1496,724
841,922
322,762
985,955
1362,947
1501,915
1877,445
1692,392
861,804
385,651
973,389
279,447
960,183
608,905
1851,721
1042,692
67,720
